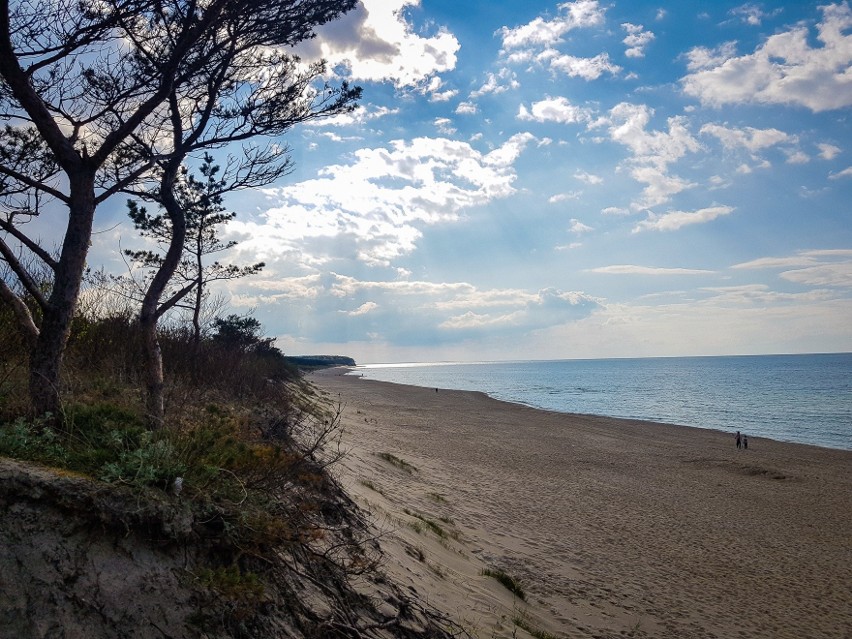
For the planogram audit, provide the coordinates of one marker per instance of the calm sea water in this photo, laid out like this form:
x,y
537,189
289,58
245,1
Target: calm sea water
x,y
796,398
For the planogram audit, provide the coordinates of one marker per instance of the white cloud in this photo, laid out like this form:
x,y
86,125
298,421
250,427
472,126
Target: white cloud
x,y
785,69
718,182
636,40
822,268
776,262
522,311
797,157
496,83
569,247
746,169
579,228
632,269
402,312
652,151
433,90
372,209
471,320
837,275
845,173
588,178
334,137
628,126
748,137
444,126
752,14
538,42
365,308
661,186
574,15
554,110
375,43
615,210
360,115
564,197
444,96
338,309
704,58
585,68
466,108
828,151
674,220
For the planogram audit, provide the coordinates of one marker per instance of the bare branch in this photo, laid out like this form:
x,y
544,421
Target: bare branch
x,y
19,235
22,274
21,312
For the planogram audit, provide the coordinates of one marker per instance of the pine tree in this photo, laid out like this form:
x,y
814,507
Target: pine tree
x,y
205,213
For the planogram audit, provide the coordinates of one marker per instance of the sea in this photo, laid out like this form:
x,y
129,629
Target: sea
x,y
805,399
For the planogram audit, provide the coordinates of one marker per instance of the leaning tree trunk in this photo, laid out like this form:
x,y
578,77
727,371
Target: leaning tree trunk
x,y
47,350
152,358
152,361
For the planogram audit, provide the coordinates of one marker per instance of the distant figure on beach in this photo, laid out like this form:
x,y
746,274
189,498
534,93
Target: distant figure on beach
x,y
745,442
739,440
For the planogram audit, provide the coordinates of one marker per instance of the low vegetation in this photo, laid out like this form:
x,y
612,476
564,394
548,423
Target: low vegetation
x,y
422,522
243,451
510,583
399,463
522,620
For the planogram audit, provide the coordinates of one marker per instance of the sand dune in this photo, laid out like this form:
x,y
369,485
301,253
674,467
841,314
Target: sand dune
x,y
615,528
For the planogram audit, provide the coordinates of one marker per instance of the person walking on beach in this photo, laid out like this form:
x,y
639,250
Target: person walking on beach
x,y
745,442
739,440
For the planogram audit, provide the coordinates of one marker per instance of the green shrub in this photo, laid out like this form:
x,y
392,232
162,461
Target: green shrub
x,y
143,461
32,441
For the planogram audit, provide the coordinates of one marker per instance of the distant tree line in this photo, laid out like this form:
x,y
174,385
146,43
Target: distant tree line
x,y
320,361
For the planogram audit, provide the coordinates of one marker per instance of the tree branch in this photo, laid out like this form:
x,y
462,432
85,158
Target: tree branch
x,y
166,306
22,274
21,312
32,183
23,91
12,230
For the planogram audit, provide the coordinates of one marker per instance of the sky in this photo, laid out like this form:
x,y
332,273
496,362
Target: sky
x,y
546,180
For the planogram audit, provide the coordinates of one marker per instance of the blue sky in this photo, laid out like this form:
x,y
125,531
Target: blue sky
x,y
542,180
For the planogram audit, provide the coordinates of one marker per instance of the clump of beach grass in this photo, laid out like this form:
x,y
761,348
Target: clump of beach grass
x,y
424,523
522,620
399,463
372,486
510,583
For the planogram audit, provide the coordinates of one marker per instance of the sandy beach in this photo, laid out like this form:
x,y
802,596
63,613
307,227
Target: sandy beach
x,y
614,528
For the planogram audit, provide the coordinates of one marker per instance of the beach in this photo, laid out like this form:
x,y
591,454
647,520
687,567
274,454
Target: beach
x,y
613,528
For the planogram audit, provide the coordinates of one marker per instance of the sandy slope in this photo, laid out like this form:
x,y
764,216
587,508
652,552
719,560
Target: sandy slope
x,y
615,528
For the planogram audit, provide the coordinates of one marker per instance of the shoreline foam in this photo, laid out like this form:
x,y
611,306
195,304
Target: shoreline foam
x,y
615,527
